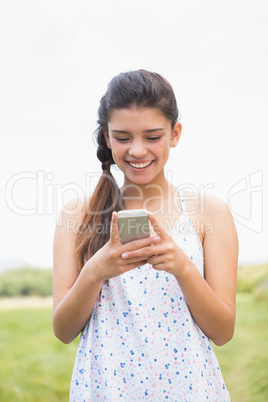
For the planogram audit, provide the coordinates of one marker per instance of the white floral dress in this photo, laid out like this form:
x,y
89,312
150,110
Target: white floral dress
x,y
141,342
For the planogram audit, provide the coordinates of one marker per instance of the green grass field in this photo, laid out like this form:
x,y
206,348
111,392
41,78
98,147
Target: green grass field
x,y
244,360
35,366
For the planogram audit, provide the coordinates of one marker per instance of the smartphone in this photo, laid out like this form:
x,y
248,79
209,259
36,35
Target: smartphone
x,y
133,224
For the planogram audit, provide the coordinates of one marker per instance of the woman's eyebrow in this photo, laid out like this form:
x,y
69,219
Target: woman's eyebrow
x,y
151,130
121,131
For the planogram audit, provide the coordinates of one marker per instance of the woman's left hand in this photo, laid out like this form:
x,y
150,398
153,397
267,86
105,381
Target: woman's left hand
x,y
166,255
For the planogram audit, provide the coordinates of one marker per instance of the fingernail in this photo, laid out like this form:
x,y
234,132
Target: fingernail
x,y
124,255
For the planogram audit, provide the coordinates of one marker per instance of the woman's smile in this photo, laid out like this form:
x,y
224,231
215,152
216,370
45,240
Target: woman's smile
x,y
139,165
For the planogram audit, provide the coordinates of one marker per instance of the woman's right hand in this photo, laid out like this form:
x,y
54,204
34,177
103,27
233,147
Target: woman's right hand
x,y
107,263
74,292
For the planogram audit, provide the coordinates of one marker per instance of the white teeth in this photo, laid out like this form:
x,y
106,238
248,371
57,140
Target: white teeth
x,y
139,165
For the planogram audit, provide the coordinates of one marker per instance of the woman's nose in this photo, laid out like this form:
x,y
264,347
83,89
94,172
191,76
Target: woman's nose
x,y
137,149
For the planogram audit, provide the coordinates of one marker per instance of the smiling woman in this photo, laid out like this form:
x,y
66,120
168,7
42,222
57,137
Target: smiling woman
x,y
148,308
140,140
135,95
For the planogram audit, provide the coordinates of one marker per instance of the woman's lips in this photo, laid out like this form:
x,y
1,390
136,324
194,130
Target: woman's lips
x,y
139,165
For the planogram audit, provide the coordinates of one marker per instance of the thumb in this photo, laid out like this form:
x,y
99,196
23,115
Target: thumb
x,y
114,231
156,225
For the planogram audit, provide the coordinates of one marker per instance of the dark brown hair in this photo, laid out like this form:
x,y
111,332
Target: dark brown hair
x,y
139,88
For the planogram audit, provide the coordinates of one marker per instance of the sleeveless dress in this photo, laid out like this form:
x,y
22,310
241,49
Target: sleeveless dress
x,y
141,342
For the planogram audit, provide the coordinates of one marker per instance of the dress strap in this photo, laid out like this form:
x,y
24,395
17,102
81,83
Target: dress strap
x,y
184,210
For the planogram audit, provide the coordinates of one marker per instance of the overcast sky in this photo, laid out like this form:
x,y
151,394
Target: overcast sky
x,y
56,60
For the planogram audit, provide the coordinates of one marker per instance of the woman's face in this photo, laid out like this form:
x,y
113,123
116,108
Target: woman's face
x,y
140,140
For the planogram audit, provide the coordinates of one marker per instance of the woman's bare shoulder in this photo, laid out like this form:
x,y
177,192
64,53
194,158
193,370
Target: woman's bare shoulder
x,y
218,220
72,213
207,212
215,208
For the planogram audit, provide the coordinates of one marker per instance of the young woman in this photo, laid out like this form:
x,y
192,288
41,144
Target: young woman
x,y
147,309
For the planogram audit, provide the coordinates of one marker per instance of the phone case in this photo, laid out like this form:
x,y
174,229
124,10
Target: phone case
x,y
133,224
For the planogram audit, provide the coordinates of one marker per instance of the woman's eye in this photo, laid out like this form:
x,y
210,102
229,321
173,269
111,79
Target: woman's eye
x,y
121,139
154,138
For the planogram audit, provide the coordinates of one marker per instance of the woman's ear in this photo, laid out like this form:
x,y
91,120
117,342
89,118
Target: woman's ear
x,y
107,139
176,134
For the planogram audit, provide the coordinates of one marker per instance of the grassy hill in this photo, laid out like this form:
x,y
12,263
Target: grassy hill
x,y
36,367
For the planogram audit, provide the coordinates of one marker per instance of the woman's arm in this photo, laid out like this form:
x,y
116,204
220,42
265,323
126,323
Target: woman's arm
x,y
210,300
74,293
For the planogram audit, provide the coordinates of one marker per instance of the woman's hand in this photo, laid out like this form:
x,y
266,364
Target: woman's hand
x,y
164,255
108,263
